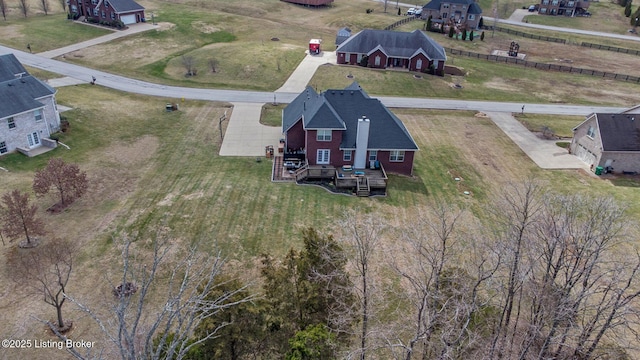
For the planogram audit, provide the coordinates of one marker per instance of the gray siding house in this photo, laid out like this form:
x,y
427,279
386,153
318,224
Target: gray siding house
x,y
28,110
611,141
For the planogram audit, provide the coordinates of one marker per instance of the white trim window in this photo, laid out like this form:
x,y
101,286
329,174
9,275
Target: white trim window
x,y
396,155
419,64
37,114
376,61
471,17
347,155
323,135
591,132
3,147
323,156
11,122
373,155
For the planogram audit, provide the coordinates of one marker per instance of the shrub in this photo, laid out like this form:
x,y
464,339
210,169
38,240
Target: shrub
x,y
364,61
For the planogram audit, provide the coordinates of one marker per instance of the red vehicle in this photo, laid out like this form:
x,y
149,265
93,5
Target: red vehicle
x,y
314,46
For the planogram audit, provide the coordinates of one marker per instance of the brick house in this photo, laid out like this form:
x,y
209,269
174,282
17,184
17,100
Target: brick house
x,y
127,11
466,12
393,49
611,141
563,7
28,110
347,127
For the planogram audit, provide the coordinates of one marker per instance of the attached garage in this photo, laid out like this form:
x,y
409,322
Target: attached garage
x,y
128,19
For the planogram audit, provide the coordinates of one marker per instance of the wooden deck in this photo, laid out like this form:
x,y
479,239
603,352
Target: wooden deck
x,y
363,182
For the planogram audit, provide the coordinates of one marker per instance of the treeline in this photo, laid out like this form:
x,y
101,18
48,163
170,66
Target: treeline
x,y
533,275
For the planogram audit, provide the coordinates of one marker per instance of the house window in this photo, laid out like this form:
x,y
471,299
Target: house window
x,y
106,4
545,2
444,15
74,9
323,135
11,122
543,10
3,147
323,156
38,115
591,132
373,155
571,4
113,16
346,155
419,64
555,3
396,156
377,60
104,15
94,2
95,12
472,17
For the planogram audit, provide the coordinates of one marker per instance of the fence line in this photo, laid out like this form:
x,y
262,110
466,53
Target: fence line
x,y
401,22
544,66
611,48
525,35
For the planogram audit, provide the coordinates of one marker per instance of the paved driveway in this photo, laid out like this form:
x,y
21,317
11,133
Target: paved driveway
x,y
544,153
245,136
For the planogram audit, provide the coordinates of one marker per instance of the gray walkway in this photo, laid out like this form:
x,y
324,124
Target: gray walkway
x,y
545,153
245,136
301,76
133,29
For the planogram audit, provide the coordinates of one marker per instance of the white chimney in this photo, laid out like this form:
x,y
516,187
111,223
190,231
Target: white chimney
x,y
362,141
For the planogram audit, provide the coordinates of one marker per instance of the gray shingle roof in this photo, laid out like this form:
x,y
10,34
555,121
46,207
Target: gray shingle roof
x,y
393,43
343,107
619,132
124,6
474,8
10,67
343,34
19,94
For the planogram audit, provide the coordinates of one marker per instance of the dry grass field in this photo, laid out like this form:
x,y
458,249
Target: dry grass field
x,y
150,169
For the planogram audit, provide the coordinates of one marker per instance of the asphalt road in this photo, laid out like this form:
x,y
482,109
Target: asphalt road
x,y
238,96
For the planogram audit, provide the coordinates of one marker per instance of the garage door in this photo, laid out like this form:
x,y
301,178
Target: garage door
x,y
128,19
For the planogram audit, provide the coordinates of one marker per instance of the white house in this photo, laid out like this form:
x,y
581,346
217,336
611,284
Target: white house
x,y
28,110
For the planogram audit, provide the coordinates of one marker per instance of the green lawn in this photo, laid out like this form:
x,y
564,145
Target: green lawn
x,y
606,17
560,125
45,32
272,115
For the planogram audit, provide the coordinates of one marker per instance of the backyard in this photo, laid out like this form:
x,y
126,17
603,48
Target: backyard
x,y
163,170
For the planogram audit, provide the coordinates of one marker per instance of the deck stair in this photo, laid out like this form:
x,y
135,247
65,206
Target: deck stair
x,y
363,188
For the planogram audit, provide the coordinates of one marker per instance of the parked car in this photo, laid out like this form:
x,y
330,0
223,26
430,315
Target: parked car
x,y
411,11
418,12
532,8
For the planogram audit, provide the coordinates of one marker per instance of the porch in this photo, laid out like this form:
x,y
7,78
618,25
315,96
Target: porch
x,y
46,146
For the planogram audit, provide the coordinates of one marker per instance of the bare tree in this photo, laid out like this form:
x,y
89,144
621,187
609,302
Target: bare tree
x,y
363,234
442,292
63,4
187,302
23,5
18,217
189,64
44,6
45,271
513,217
67,179
4,9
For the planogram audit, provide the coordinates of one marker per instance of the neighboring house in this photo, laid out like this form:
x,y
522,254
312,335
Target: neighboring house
x,y
459,12
28,110
343,34
127,11
385,49
347,127
310,2
563,7
611,141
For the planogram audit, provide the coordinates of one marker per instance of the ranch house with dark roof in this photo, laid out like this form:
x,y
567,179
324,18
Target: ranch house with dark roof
x,y
393,49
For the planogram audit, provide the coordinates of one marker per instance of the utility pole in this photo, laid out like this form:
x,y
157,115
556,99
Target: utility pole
x,y
495,18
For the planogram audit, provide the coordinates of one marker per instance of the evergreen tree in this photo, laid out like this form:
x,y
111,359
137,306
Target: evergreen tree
x,y
471,36
429,23
452,31
464,34
482,36
627,9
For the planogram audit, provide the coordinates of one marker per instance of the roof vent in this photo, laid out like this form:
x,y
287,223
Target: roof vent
x,y
341,92
19,75
351,92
